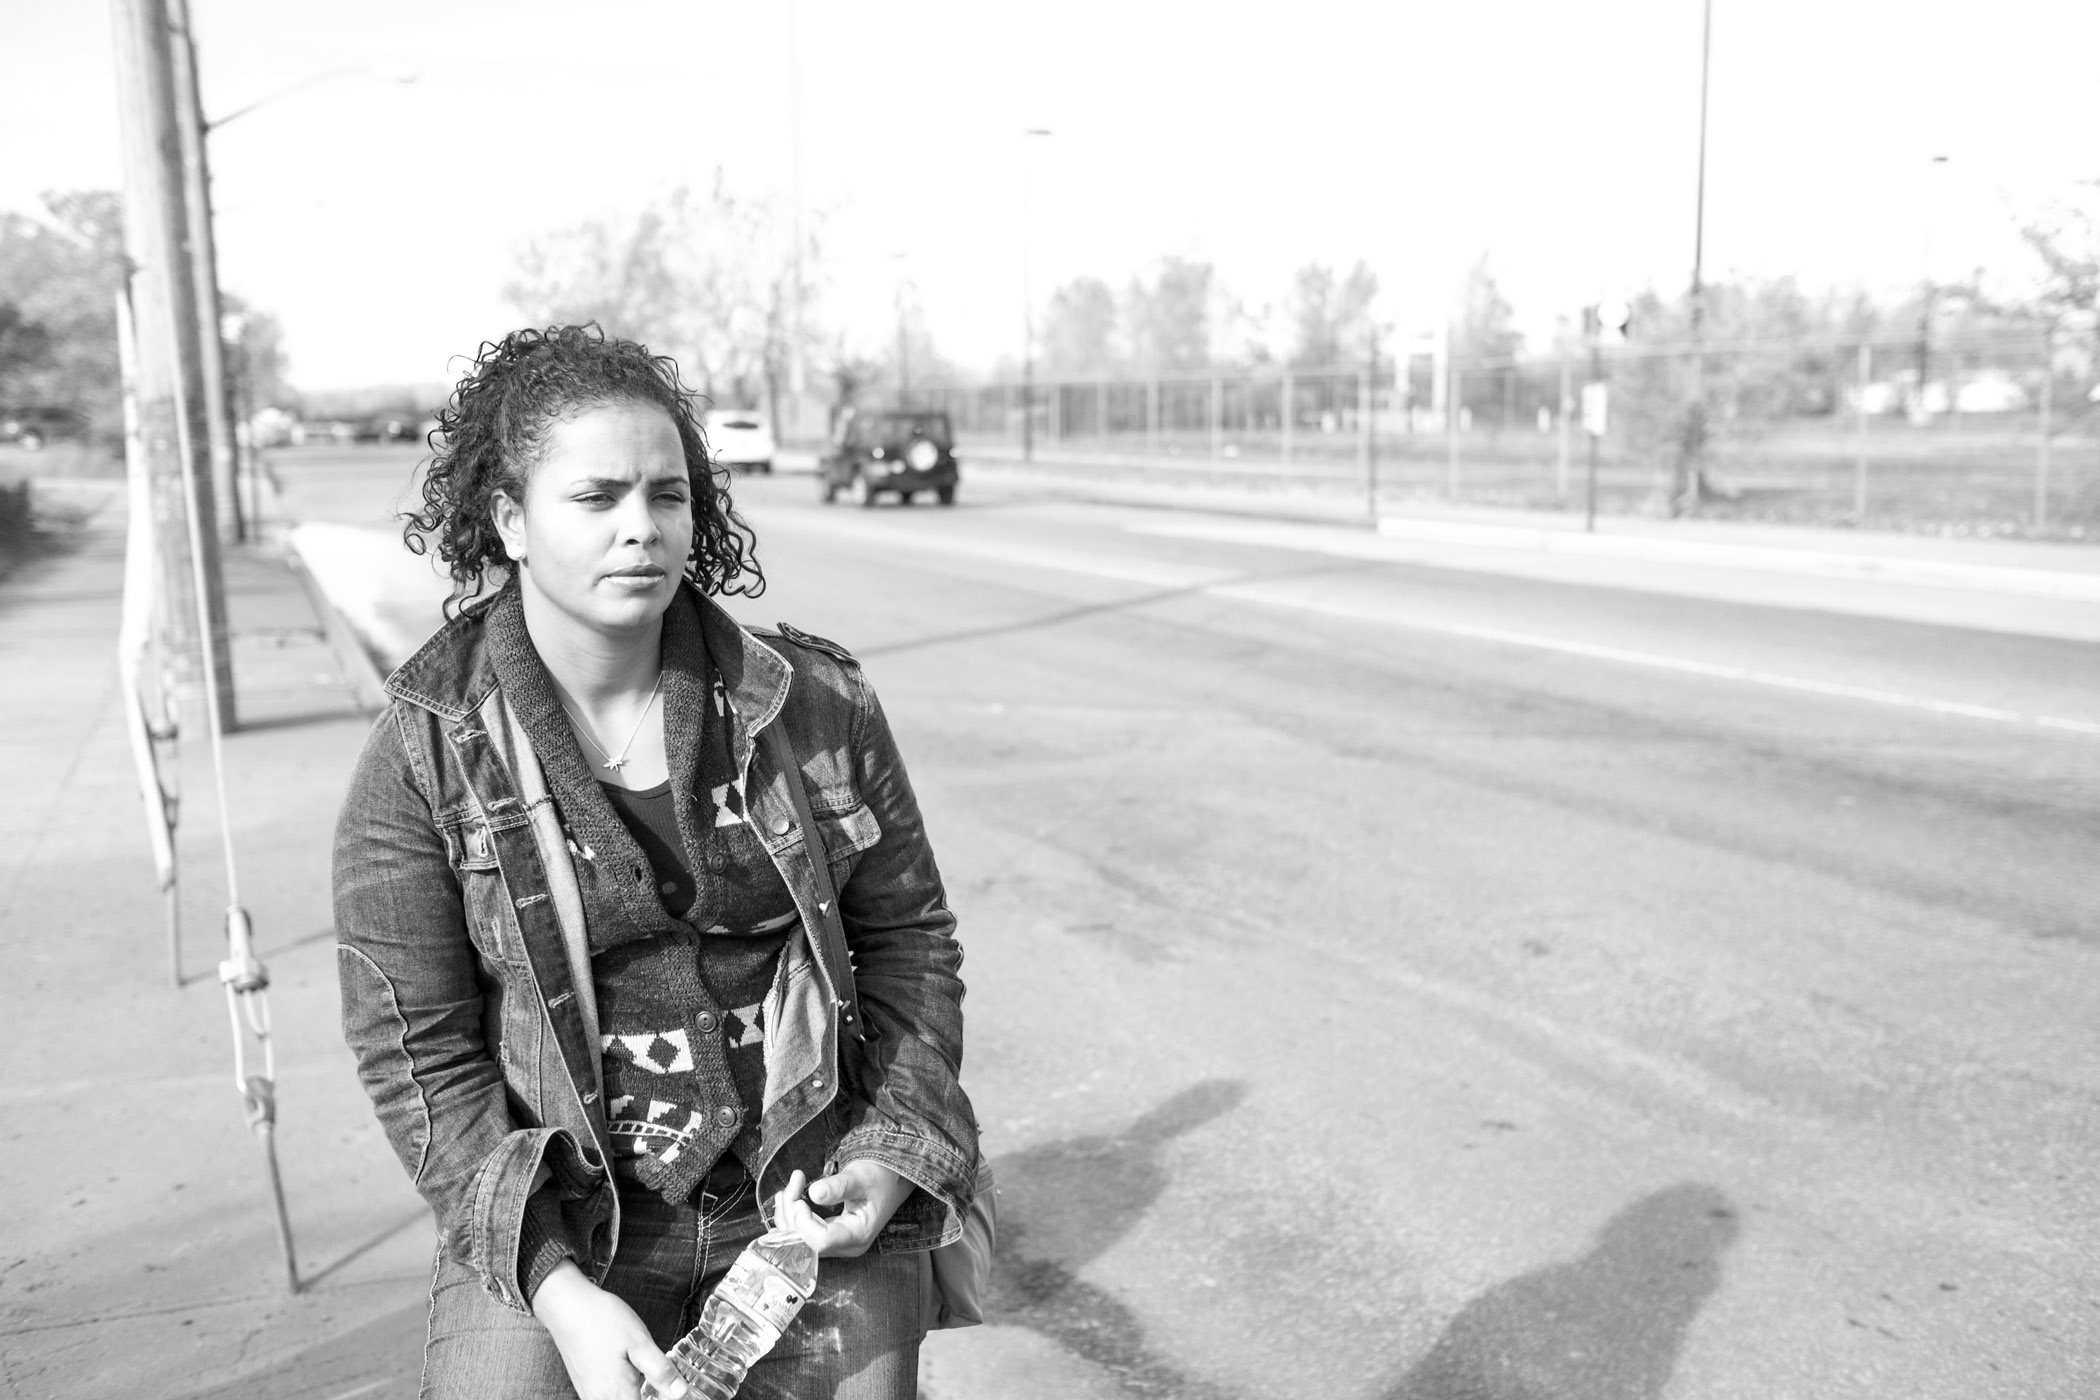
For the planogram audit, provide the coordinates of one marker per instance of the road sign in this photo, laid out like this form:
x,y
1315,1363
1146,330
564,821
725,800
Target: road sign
x,y
1594,404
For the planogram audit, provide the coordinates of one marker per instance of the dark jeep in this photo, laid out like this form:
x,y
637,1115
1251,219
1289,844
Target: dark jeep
x,y
897,450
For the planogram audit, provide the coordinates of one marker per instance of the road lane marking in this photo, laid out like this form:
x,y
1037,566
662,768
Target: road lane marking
x,y
1745,675
1236,587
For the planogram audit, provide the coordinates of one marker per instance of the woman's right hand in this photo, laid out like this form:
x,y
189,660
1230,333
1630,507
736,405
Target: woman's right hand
x,y
602,1342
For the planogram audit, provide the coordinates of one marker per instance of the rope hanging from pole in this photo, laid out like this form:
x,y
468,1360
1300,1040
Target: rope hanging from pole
x,y
243,975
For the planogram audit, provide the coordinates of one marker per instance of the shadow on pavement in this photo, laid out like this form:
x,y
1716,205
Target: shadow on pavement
x,y
382,1360
1065,615
1068,1202
1607,1326
420,1215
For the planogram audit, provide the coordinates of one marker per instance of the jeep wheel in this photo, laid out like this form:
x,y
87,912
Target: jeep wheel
x,y
863,495
945,494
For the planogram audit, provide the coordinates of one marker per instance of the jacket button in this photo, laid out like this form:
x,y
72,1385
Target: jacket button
x,y
816,1081
780,826
726,1116
707,1020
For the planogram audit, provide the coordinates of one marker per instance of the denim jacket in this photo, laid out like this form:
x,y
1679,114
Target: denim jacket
x,y
467,997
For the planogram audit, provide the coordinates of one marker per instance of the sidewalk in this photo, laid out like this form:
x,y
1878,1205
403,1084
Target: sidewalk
x,y
2041,589
141,1257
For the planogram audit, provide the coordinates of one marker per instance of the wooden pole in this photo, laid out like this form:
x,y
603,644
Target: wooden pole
x,y
164,305
204,265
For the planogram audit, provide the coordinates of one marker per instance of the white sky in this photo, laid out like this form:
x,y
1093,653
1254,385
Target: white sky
x,y
379,220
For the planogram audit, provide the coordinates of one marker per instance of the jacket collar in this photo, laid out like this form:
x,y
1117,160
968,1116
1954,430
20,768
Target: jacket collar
x,y
452,673
489,648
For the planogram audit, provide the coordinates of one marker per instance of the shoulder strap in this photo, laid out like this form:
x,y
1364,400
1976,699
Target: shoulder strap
x,y
831,929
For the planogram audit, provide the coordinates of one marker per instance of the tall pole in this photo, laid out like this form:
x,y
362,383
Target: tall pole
x,y
1685,490
204,266
170,392
1928,293
1027,308
795,366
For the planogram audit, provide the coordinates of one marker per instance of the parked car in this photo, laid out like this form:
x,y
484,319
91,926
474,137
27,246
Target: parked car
x,y
740,439
31,428
388,427
900,451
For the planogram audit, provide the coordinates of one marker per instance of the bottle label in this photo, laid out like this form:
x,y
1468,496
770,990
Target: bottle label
x,y
769,1296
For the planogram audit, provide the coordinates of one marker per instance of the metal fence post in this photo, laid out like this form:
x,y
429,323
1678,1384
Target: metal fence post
x,y
1364,452
1152,415
1452,399
1217,426
1859,434
1284,411
1560,461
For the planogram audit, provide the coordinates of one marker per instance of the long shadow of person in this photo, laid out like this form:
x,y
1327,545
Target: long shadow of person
x,y
1607,1326
1062,1205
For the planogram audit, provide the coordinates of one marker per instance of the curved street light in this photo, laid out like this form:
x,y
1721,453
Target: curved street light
x,y
388,73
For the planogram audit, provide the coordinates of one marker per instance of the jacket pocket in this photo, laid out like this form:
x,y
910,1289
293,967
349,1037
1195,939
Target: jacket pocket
x,y
470,843
847,832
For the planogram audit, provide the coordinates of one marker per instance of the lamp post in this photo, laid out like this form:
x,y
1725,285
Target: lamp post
x,y
1928,290
1027,310
1685,493
193,128
902,297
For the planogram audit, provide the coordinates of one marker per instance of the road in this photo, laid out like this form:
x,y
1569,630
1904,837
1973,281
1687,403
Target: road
x,y
1418,983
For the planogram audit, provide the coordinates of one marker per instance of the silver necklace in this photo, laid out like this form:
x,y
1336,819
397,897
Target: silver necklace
x,y
614,763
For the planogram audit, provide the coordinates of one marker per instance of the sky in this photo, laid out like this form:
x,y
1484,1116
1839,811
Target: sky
x,y
380,220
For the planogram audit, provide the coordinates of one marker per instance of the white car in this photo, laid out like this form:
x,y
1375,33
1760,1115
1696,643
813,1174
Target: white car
x,y
740,439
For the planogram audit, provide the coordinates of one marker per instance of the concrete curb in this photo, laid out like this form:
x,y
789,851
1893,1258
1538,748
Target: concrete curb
x,y
360,668
2062,586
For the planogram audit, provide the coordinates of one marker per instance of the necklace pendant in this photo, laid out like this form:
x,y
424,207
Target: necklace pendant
x,y
615,764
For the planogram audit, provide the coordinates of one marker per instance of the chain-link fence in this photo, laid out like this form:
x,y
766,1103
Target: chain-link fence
x,y
1976,436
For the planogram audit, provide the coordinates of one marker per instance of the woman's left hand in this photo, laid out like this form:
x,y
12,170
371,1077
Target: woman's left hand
x,y
867,1193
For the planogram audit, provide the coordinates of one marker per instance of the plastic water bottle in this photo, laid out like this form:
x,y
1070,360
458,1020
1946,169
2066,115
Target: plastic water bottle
x,y
745,1315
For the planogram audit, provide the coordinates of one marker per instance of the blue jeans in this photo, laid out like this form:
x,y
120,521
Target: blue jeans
x,y
857,1338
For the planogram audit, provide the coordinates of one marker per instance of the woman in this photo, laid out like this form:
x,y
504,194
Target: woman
x,y
580,924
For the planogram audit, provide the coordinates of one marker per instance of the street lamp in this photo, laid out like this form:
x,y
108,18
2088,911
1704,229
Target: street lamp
x,y
204,250
385,72
1920,412
902,305
1027,311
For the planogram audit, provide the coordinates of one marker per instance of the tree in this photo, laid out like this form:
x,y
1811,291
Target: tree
x,y
1169,318
1484,323
60,274
1079,328
258,354
2066,239
1332,320
709,278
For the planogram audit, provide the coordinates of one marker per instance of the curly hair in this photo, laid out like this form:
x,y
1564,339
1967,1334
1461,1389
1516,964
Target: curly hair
x,y
493,430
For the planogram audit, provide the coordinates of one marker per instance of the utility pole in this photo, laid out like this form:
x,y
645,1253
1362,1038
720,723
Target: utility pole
x,y
170,395
204,266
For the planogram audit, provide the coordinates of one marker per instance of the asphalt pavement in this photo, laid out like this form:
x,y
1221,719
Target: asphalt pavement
x,y
1391,975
